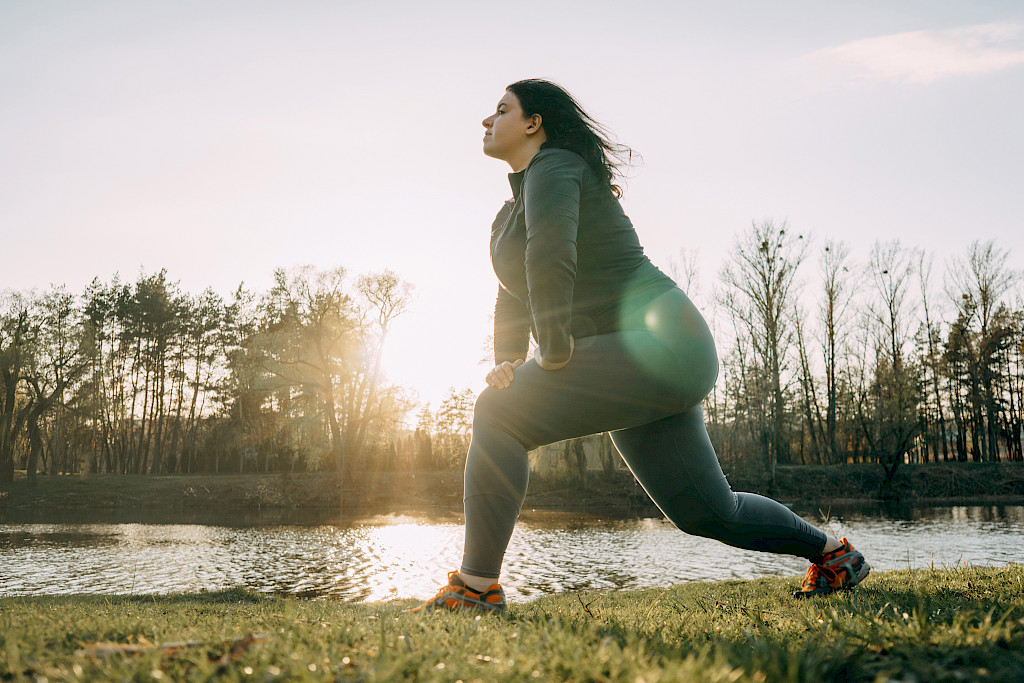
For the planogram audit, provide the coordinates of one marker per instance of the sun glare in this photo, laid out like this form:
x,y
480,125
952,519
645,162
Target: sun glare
x,y
409,553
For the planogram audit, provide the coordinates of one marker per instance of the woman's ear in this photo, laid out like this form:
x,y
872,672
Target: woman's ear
x,y
534,125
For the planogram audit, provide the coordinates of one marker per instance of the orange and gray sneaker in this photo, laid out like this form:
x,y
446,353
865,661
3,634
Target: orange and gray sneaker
x,y
456,596
841,569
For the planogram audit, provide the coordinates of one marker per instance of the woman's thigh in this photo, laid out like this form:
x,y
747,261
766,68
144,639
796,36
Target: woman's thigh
x,y
613,381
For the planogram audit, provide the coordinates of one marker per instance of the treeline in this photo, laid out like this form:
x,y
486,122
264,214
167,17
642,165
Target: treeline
x,y
823,360
884,361
144,378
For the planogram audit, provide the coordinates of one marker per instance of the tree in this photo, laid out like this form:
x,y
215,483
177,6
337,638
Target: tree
x,y
576,459
759,285
110,341
976,285
1014,363
202,331
159,308
309,339
424,448
314,353
15,335
686,272
389,297
833,314
887,407
932,362
453,421
57,362
811,408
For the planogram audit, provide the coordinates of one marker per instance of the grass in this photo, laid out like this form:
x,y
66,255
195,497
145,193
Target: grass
x,y
952,624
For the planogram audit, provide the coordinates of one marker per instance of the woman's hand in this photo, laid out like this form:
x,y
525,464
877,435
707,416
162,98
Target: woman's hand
x,y
546,365
502,375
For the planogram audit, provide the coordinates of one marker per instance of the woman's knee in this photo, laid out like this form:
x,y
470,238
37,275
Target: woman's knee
x,y
697,517
495,413
489,407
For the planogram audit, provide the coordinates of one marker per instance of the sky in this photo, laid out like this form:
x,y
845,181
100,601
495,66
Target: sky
x,y
221,140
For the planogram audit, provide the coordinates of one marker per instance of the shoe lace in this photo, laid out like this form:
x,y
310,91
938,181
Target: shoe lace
x,y
811,578
443,589
814,574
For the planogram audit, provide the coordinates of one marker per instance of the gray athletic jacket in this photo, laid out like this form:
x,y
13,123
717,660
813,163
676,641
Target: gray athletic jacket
x,y
567,258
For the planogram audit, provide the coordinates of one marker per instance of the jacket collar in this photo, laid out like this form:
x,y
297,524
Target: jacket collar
x,y
516,181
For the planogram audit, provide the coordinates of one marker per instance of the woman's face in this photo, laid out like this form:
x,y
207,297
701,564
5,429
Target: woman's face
x,y
506,132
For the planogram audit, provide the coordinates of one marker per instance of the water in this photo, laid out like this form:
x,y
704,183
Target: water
x,y
387,557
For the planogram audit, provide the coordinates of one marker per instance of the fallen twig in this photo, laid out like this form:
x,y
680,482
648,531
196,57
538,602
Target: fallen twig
x,y
586,606
235,647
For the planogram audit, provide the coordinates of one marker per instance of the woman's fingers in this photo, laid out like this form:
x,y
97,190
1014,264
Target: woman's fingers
x,y
502,375
505,374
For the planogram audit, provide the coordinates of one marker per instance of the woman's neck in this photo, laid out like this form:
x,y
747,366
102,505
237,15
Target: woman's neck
x,y
524,156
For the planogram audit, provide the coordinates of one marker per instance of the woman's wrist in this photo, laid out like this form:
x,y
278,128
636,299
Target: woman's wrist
x,y
548,365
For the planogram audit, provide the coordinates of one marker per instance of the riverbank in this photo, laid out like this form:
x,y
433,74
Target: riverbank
x,y
952,624
809,487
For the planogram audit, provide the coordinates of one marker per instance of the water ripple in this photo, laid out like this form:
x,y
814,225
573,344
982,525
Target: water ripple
x,y
400,557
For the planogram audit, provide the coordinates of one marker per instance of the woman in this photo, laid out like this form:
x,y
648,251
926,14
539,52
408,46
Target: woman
x,y
619,348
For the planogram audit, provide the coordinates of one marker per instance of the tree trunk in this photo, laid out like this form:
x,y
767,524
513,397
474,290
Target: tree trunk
x,y
35,443
338,449
10,375
370,391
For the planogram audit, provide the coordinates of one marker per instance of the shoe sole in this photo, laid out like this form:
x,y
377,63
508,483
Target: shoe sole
x,y
463,603
465,608
861,573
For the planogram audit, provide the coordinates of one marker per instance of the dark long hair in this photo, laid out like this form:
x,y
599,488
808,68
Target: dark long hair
x,y
567,126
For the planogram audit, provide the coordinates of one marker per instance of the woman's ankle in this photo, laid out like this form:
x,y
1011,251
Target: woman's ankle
x,y
831,543
477,583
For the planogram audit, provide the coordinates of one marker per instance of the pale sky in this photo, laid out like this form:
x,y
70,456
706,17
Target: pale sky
x,y
220,140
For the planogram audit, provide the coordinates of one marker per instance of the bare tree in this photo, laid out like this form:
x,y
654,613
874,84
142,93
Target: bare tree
x,y
833,314
389,296
759,285
891,425
686,272
811,407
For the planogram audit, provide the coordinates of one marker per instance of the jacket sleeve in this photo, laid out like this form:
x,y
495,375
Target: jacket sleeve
x,y
552,189
511,328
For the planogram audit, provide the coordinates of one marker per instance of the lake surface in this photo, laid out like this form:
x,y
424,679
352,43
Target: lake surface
x,y
396,556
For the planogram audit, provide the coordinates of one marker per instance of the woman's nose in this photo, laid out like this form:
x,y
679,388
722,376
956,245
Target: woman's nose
x,y
487,122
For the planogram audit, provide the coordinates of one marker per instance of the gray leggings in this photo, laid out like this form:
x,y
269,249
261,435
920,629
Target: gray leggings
x,y
644,384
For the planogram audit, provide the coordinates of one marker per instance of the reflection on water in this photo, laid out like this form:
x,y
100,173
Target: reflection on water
x,y
389,557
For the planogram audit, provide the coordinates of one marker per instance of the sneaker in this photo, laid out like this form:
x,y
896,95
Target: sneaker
x,y
458,596
841,569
